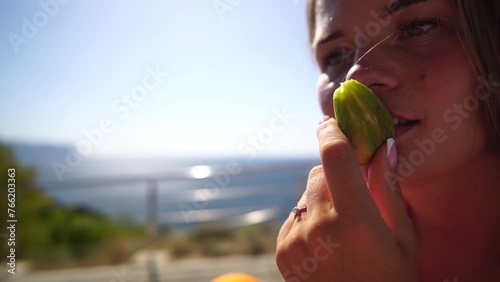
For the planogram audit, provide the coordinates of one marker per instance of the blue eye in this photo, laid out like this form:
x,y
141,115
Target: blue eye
x,y
418,27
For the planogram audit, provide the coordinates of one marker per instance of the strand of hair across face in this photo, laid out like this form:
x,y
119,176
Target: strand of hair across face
x,y
362,56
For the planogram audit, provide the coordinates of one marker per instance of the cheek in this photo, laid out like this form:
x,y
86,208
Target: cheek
x,y
462,119
325,90
453,131
452,103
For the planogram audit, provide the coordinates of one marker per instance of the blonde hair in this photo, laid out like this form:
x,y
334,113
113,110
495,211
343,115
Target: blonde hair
x,y
478,27
479,30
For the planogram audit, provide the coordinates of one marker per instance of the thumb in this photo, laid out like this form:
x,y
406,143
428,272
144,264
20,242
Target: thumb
x,y
384,187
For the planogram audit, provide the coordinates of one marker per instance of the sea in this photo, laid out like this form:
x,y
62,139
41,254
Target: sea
x,y
179,193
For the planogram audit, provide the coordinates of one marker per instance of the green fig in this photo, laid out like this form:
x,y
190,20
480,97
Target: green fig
x,y
363,118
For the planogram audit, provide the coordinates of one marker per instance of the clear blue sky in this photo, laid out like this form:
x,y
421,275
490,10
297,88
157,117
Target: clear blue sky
x,y
65,68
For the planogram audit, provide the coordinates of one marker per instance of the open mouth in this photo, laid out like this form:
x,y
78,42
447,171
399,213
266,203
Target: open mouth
x,y
403,126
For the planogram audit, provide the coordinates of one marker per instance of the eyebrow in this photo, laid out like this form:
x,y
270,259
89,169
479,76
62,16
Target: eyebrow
x,y
401,5
393,8
329,37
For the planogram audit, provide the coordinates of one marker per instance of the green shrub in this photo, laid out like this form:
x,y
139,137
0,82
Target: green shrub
x,y
51,235
214,240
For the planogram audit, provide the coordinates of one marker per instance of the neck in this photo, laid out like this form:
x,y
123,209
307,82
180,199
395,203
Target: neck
x,y
456,218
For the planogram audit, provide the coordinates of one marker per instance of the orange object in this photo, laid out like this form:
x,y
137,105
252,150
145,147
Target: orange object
x,y
236,277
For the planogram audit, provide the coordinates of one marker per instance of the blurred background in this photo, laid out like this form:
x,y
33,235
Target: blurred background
x,y
153,140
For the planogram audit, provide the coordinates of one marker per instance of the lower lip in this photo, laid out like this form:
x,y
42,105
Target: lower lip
x,y
403,129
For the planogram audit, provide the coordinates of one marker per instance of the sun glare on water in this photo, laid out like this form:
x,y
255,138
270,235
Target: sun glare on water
x,y
201,171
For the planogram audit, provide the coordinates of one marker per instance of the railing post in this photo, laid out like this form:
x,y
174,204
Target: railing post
x,y
152,205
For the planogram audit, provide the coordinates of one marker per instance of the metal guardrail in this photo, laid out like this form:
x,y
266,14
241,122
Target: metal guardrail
x,y
153,180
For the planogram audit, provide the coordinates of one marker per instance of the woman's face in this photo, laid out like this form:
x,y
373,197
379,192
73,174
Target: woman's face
x,y
409,54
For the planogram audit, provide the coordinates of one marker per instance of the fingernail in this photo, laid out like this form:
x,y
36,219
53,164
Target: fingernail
x,y
323,119
392,153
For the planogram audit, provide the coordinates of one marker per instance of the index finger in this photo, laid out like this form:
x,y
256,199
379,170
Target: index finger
x,y
346,185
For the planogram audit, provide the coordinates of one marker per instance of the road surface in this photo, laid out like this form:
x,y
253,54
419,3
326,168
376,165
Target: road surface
x,y
155,267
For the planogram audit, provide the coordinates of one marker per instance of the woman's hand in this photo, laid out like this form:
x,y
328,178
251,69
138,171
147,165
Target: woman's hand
x,y
349,232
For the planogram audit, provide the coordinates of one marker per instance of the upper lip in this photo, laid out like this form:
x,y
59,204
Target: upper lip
x,y
398,116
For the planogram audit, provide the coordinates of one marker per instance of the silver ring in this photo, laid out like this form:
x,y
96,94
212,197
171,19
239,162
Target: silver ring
x,y
298,211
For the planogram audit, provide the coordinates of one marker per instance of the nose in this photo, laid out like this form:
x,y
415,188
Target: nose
x,y
375,69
